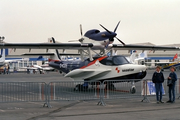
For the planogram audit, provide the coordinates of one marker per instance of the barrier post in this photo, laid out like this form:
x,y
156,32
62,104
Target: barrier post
x,y
145,89
101,102
47,94
179,88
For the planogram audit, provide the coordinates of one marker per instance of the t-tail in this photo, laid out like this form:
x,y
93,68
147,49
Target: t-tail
x,y
133,56
137,60
2,57
175,57
56,56
143,55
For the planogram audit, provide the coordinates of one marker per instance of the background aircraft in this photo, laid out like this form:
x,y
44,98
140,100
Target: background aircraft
x,y
3,61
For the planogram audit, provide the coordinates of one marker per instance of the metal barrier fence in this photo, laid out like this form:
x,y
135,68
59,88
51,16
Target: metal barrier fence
x,y
73,90
23,91
126,89
123,89
79,90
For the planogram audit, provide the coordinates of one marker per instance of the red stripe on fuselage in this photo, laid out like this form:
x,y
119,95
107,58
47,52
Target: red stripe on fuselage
x,y
51,60
93,62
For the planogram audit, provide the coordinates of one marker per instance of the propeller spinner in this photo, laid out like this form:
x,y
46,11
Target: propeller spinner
x,y
113,33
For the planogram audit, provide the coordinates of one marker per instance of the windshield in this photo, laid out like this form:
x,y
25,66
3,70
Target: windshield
x,y
120,60
114,60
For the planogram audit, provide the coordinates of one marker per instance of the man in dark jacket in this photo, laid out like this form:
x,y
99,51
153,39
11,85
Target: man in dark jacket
x,y
158,79
173,78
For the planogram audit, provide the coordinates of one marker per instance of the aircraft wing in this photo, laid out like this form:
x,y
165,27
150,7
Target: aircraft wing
x,y
49,54
16,60
47,68
142,47
30,68
83,46
46,45
161,62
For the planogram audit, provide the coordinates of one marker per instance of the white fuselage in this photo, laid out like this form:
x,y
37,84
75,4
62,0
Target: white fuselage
x,y
98,71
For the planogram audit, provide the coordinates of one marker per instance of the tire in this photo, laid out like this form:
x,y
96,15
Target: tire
x,y
133,90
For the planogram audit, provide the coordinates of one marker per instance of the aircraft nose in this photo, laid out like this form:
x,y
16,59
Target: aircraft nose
x,y
143,67
111,36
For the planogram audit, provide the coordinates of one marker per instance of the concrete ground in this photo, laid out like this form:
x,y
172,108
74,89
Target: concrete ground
x,y
119,109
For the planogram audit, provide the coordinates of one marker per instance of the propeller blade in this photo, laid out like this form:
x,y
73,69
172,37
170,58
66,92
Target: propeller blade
x,y
81,30
105,28
116,26
53,40
120,41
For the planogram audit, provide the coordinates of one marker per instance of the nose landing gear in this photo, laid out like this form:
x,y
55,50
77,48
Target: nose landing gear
x,y
110,86
80,87
133,88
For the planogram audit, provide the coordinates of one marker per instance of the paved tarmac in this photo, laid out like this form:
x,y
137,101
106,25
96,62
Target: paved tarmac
x,y
117,109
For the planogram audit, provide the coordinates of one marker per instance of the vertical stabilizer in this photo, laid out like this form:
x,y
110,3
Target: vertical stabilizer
x,y
2,57
133,56
175,57
143,55
56,55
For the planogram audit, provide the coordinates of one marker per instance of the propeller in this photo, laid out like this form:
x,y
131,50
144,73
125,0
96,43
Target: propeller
x,y
116,26
81,30
120,41
81,39
105,28
112,39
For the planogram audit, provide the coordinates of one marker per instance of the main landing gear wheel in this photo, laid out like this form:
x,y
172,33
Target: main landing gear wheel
x,y
80,87
110,87
133,90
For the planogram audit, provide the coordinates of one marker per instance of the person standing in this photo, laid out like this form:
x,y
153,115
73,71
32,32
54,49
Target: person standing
x,y
4,69
8,69
158,79
172,83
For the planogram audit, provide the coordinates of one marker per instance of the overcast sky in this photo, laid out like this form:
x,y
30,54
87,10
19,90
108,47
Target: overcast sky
x,y
155,21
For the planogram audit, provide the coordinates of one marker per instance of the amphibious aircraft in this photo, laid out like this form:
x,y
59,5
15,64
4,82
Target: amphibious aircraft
x,y
97,68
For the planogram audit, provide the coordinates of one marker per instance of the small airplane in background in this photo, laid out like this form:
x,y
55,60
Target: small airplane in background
x,y
143,57
41,69
3,61
167,65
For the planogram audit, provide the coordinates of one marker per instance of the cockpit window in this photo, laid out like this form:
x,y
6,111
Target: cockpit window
x,y
120,60
114,60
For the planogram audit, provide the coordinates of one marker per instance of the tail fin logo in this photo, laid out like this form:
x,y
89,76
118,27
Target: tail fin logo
x,y
175,57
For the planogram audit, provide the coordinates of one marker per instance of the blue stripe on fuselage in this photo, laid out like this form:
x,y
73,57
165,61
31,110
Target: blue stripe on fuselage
x,y
159,58
67,66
